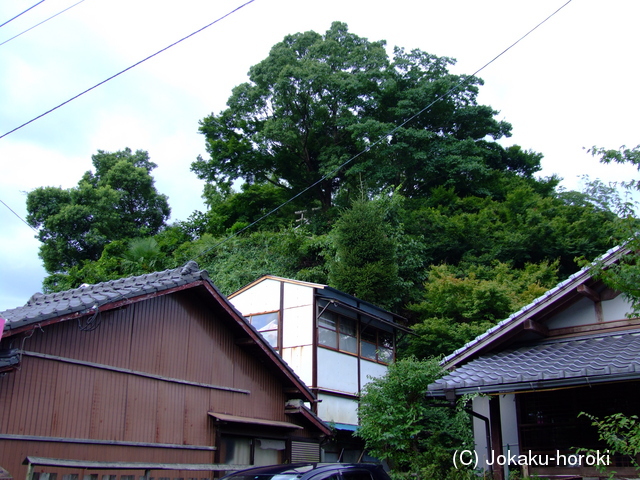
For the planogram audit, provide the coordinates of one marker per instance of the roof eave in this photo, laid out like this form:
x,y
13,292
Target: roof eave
x,y
535,386
513,324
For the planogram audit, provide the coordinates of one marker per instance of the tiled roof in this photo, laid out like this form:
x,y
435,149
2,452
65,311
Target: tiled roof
x,y
43,307
551,363
549,296
86,299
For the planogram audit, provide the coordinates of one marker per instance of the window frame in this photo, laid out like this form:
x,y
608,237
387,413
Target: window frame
x,y
253,445
277,330
360,328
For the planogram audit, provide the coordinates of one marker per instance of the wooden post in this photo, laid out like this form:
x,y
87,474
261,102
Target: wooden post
x,y
30,471
496,435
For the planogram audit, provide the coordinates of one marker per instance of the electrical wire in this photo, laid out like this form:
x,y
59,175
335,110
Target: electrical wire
x,y
38,24
12,211
94,321
129,68
12,19
464,80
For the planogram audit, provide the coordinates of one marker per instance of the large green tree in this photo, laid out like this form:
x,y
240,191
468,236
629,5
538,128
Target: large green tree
x,y
319,100
116,201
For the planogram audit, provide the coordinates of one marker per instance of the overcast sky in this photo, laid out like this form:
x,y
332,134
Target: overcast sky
x,y
568,86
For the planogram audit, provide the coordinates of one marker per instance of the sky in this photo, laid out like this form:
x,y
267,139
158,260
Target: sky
x,y
571,84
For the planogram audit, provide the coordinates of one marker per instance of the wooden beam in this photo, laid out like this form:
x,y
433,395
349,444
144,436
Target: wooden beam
x,y
535,327
609,294
93,465
127,371
595,327
589,293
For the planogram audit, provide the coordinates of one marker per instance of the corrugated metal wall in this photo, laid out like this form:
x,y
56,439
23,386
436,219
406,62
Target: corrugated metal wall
x,y
172,336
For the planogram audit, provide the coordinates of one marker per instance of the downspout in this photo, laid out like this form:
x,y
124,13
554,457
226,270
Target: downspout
x,y
450,395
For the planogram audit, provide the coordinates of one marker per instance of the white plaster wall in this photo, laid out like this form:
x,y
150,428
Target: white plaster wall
x,y
297,326
509,424
615,309
481,405
263,297
581,313
370,370
300,359
509,427
337,371
297,295
337,409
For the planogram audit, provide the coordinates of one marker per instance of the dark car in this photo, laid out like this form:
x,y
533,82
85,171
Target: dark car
x,y
313,471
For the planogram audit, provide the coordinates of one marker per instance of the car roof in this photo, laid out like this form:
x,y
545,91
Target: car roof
x,y
302,468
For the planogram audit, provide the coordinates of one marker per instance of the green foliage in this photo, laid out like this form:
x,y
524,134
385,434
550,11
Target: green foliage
x,y
525,227
460,304
400,425
231,211
621,435
623,276
121,258
365,263
621,155
233,263
118,201
319,100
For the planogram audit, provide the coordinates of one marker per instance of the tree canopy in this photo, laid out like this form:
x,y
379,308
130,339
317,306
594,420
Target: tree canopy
x,y
334,112
117,201
431,217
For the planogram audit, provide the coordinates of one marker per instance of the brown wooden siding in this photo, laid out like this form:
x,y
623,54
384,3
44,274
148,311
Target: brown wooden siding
x,y
174,336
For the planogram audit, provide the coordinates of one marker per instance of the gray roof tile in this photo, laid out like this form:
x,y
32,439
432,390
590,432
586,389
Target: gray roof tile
x,y
42,307
567,361
546,297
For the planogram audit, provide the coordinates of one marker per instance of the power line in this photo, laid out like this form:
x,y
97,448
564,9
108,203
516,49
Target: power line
x,y
129,68
11,19
384,136
12,211
37,24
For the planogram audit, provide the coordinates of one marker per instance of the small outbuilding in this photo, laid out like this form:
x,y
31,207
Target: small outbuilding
x,y
151,370
334,341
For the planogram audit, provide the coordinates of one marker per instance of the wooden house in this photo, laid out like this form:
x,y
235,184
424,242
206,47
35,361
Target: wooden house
x,y
156,369
572,350
335,342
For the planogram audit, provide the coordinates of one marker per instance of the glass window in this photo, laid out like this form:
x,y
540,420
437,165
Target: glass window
x,y
267,325
342,333
327,338
376,345
329,320
245,450
368,350
236,450
357,475
347,341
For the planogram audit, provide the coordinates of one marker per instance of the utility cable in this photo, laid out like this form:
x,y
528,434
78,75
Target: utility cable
x,y
11,19
12,211
37,24
129,68
464,80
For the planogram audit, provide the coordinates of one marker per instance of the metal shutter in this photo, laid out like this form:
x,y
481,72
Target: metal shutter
x,y
305,452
